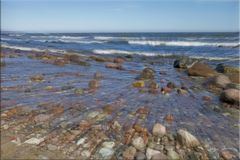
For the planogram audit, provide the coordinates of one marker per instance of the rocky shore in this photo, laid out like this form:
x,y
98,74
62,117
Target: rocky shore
x,y
86,106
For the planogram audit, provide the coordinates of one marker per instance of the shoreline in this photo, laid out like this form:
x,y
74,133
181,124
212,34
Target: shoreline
x,y
54,88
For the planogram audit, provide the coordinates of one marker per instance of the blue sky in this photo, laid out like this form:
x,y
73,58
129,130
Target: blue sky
x,y
119,16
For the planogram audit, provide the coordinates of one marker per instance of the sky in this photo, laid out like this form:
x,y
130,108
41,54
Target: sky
x,y
120,16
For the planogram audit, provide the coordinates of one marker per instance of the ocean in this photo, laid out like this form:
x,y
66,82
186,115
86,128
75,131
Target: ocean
x,y
212,46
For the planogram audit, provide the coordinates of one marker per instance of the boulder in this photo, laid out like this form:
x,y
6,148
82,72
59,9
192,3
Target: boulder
x,y
222,68
159,130
147,73
231,96
235,78
221,81
183,63
187,139
201,69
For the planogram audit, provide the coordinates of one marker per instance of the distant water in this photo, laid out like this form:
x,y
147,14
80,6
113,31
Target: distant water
x,y
214,46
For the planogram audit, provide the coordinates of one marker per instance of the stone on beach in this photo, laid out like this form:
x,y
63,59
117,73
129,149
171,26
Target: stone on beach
x,y
159,130
223,68
35,141
78,91
222,81
118,60
138,84
169,118
201,69
146,74
172,155
231,96
138,143
114,66
98,75
129,153
171,85
37,78
235,78
42,118
187,139
153,85
183,63
151,152
93,84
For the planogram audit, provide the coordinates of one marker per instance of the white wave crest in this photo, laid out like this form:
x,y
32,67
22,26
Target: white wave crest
x,y
111,51
183,43
31,49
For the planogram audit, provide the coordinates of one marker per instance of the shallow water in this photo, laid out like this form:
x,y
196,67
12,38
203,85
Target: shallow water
x,y
189,110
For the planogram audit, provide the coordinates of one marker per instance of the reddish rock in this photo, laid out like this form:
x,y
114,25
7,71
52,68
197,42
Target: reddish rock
x,y
200,69
226,155
166,90
169,118
142,110
57,110
83,125
93,84
206,98
128,136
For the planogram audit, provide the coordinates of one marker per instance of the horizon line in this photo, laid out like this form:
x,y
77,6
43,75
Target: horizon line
x,y
122,31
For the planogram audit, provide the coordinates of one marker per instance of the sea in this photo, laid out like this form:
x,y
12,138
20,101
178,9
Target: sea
x,y
211,46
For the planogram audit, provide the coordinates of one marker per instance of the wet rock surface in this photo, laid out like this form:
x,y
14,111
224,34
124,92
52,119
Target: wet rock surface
x,y
109,119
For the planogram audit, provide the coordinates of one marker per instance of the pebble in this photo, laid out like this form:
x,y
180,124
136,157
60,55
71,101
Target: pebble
x,y
172,155
34,141
81,141
138,143
108,144
93,84
52,147
106,153
98,75
159,130
187,139
138,84
140,156
79,91
129,153
227,155
151,152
